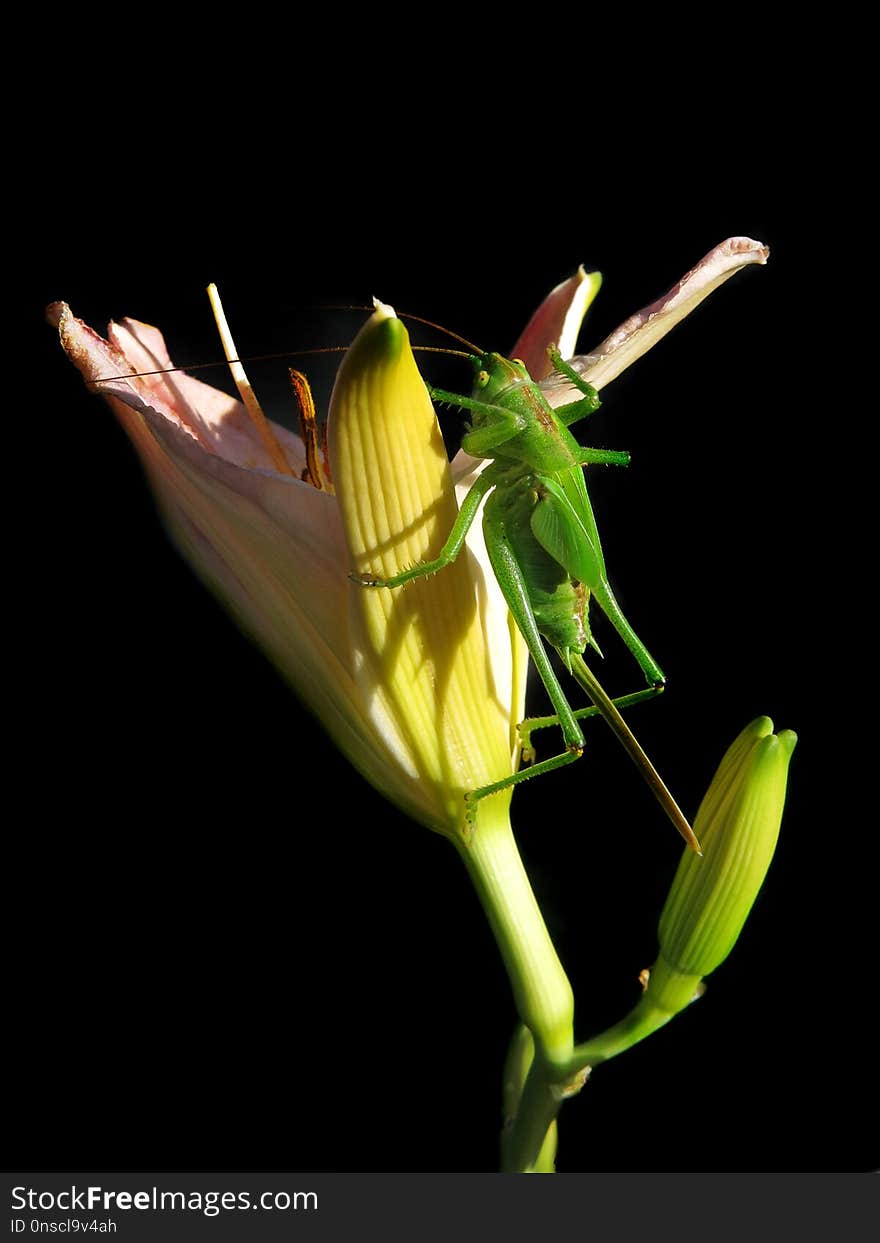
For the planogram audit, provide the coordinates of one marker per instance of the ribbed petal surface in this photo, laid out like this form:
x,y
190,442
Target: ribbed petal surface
x,y
423,660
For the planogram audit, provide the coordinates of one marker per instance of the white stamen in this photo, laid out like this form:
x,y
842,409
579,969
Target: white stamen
x,y
243,384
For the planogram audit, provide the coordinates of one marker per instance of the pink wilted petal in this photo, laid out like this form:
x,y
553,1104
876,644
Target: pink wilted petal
x,y
143,348
302,531
218,422
557,321
644,329
269,545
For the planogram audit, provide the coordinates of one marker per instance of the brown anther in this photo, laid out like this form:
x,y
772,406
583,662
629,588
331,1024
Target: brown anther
x,y
317,468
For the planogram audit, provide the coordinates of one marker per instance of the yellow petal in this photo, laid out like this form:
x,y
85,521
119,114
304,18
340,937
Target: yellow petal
x,y
421,657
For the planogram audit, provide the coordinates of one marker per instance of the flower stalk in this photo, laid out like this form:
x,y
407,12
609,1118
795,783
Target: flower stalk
x,y
541,990
516,1070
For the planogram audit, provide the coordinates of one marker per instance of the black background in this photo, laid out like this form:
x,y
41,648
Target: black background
x,y
227,950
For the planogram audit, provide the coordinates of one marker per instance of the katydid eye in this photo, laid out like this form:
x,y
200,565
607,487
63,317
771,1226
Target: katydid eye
x,y
482,378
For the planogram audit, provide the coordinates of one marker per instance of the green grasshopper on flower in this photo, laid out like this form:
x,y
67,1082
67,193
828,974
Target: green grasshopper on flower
x,y
544,548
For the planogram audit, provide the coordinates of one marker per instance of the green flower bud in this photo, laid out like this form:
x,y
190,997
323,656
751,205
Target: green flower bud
x,y
738,826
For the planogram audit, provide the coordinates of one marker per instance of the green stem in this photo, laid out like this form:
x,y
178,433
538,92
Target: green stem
x,y
639,1023
541,988
522,1145
674,991
520,1060
546,1159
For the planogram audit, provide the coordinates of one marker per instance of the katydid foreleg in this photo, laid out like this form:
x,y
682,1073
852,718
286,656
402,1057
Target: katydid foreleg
x,y
574,411
499,424
453,545
584,406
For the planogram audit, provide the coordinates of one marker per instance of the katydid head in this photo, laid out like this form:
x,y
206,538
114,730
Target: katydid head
x,y
496,374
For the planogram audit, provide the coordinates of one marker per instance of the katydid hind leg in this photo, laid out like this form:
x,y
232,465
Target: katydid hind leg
x,y
607,601
511,580
513,586
473,797
526,728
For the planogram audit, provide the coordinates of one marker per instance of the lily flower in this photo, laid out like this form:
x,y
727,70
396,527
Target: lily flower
x,y
278,550
273,547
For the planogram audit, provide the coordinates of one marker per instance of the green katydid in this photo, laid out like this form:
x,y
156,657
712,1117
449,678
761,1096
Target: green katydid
x,y
544,548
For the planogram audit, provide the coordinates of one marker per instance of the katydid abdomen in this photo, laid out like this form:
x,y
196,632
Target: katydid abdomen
x,y
559,602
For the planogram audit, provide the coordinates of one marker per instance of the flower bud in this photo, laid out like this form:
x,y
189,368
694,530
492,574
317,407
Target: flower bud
x,y
710,898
